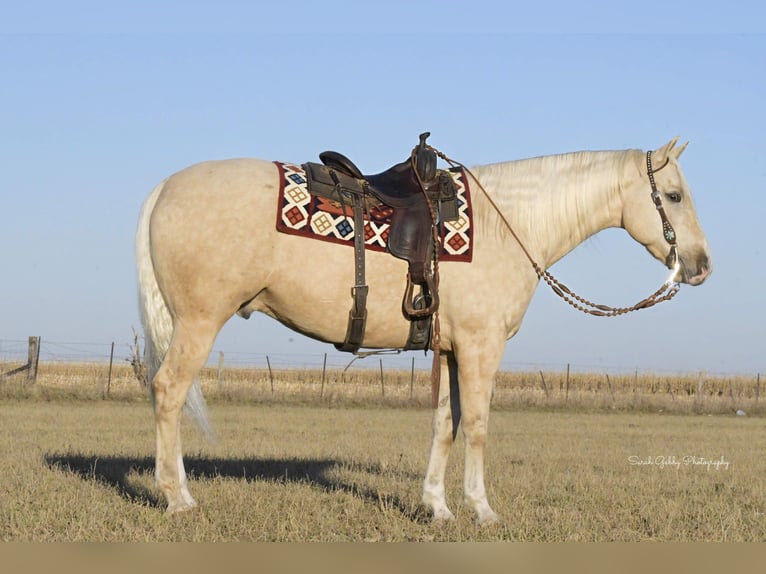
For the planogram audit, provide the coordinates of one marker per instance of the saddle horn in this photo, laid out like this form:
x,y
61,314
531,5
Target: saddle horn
x,y
425,159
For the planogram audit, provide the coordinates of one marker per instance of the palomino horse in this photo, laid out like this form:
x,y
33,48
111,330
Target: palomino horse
x,y
207,248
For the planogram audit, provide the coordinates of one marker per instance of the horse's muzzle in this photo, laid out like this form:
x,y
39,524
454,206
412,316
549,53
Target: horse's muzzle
x,y
703,269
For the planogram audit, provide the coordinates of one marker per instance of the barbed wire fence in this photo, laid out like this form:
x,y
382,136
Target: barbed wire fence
x,y
15,352
19,359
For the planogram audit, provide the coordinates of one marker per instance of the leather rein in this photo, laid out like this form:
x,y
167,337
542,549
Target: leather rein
x,y
666,292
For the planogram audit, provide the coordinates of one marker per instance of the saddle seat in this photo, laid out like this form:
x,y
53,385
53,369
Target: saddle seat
x,y
396,187
404,187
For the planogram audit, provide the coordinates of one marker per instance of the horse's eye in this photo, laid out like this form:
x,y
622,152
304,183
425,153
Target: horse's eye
x,y
674,196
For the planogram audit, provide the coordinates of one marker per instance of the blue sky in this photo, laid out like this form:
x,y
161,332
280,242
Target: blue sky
x,y
97,106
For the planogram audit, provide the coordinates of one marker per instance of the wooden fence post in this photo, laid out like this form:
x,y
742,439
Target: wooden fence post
x,y
412,377
757,387
566,395
382,387
220,370
33,359
545,387
324,371
271,374
109,378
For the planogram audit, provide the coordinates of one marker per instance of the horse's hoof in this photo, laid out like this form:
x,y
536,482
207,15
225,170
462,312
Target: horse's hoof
x,y
488,519
442,516
426,513
182,509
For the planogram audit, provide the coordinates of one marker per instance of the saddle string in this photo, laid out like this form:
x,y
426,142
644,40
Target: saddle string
x,y
666,292
435,328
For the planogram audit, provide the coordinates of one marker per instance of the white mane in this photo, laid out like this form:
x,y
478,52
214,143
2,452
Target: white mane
x,y
552,201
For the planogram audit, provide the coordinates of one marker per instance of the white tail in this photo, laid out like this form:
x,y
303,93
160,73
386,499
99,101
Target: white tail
x,y
155,316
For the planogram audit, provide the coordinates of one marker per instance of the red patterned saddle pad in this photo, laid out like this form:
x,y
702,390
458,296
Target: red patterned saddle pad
x,y
301,213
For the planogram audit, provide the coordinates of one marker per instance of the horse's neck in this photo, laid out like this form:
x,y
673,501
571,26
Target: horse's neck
x,y
553,203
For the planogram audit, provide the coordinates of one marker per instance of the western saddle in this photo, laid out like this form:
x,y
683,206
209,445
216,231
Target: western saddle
x,y
420,197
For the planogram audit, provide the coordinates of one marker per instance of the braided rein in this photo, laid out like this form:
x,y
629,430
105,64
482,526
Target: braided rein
x,y
666,292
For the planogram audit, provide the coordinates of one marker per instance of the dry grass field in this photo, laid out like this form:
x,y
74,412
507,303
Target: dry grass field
x,y
591,465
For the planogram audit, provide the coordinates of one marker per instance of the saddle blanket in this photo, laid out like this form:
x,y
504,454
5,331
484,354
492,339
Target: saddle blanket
x,y
306,215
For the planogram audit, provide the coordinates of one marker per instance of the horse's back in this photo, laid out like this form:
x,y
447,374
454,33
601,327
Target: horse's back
x,y
227,178
209,198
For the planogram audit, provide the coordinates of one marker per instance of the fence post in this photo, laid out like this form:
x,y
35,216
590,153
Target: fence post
x,y
545,387
757,387
324,371
33,359
412,377
109,378
566,394
271,374
382,387
219,378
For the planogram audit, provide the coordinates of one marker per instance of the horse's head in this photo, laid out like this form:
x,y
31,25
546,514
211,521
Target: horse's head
x,y
642,214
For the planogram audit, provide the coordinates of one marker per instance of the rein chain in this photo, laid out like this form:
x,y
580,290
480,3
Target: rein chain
x,y
666,292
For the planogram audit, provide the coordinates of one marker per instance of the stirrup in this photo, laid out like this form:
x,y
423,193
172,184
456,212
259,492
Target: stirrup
x,y
407,307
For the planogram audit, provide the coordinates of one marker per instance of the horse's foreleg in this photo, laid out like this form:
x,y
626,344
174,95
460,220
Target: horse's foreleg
x,y
445,423
187,354
476,376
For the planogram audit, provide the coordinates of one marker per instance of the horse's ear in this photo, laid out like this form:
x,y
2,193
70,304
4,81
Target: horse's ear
x,y
662,154
679,150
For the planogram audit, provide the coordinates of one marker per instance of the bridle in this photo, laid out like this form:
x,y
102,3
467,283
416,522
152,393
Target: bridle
x,y
666,292
668,232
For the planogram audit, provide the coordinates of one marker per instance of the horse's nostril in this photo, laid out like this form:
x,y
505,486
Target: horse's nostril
x,y
703,266
703,271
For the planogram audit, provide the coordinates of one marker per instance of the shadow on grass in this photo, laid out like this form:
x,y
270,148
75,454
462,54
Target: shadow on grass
x,y
114,471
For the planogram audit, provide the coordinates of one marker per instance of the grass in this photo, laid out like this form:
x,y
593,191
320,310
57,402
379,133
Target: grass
x,y
80,469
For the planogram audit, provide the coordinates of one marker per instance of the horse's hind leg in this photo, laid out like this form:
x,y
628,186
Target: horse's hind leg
x,y
188,351
445,423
